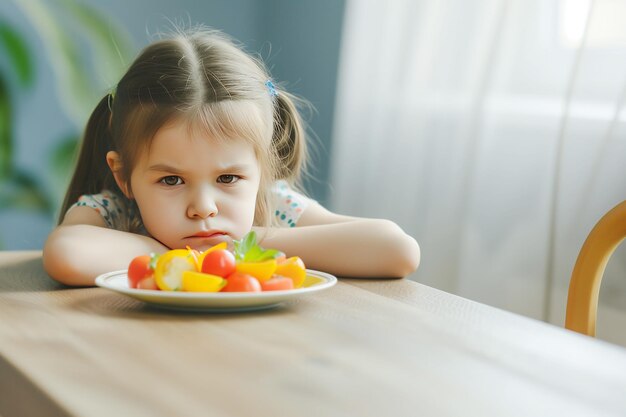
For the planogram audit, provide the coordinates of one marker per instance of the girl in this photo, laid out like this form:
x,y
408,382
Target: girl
x,y
198,146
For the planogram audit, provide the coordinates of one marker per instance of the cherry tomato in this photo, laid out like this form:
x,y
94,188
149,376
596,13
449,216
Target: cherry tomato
x,y
277,283
148,284
202,255
220,262
138,270
240,282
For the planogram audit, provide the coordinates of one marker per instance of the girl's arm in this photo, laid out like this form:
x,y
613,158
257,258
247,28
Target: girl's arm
x,y
82,247
346,246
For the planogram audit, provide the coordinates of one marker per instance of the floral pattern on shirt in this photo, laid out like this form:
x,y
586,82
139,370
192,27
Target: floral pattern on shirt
x,y
109,205
289,204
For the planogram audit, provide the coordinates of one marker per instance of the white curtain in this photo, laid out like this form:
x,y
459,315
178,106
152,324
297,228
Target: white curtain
x,y
492,131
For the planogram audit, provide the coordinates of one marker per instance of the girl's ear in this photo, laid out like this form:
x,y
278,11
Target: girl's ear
x,y
115,164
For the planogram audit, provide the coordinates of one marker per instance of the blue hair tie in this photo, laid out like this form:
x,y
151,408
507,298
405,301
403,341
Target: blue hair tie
x,y
271,88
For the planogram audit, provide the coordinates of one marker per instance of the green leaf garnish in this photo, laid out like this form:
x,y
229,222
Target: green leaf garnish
x,y
268,254
247,249
154,257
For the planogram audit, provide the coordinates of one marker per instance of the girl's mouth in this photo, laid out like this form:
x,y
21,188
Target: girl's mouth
x,y
207,235
210,238
205,240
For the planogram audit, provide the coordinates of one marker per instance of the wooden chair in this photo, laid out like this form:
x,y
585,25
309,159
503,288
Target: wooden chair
x,y
584,286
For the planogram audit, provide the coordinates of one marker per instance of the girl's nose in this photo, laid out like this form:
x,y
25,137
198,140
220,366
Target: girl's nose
x,y
202,206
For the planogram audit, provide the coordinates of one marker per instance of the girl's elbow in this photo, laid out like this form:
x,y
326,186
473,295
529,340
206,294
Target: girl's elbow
x,y
58,263
55,265
412,255
407,258
406,252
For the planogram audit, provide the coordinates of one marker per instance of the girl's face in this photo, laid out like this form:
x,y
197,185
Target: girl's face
x,y
193,190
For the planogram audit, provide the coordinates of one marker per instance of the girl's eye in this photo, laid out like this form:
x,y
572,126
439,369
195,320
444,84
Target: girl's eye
x,y
171,180
228,179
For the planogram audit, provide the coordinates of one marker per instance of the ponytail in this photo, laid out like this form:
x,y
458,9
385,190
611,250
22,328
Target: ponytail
x,y
92,174
289,138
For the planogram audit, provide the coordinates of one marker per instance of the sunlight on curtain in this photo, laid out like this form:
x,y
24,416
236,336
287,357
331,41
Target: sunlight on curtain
x,y
492,131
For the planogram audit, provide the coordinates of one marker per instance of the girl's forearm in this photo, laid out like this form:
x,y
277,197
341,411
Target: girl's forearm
x,y
360,248
76,254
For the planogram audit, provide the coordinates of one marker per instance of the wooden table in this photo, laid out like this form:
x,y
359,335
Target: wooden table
x,y
362,348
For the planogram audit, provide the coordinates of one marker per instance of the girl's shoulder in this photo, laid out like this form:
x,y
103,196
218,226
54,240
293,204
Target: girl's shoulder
x,y
289,204
108,204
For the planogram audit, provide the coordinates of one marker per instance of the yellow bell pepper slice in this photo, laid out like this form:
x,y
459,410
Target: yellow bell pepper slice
x,y
310,281
199,282
170,267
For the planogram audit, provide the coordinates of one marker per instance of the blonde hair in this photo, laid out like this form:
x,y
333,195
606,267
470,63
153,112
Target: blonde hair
x,y
206,78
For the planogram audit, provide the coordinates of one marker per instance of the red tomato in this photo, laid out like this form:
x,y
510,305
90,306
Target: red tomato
x,y
277,283
220,262
138,270
240,282
148,284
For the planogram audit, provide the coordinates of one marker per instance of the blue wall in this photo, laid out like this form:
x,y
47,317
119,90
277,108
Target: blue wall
x,y
305,49
299,41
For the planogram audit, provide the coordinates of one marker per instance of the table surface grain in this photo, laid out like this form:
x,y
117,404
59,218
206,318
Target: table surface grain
x,y
361,348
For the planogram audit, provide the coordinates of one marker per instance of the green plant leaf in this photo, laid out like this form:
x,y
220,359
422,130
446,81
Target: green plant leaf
x,y
110,43
73,84
17,52
6,130
78,88
63,155
22,190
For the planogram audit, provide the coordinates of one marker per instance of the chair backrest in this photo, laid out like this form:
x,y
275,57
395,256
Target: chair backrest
x,y
584,286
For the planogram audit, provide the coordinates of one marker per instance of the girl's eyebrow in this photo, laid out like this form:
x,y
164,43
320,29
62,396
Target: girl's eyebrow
x,y
165,168
234,168
228,168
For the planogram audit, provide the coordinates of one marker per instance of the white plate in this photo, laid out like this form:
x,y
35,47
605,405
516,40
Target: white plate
x,y
208,301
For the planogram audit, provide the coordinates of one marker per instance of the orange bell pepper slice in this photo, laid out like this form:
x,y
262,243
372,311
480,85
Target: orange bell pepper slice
x,y
292,268
260,270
